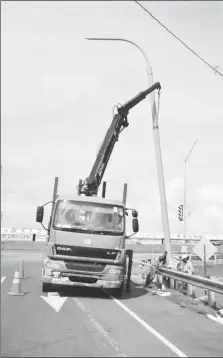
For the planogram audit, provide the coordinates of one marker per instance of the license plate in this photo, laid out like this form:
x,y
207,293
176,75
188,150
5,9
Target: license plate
x,y
60,280
56,274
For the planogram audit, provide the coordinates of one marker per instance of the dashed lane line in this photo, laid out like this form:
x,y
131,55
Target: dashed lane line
x,y
100,329
3,279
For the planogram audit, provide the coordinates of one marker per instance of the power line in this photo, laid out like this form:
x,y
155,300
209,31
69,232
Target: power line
x,y
196,54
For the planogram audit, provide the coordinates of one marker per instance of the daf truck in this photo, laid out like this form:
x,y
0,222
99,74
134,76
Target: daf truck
x,y
86,234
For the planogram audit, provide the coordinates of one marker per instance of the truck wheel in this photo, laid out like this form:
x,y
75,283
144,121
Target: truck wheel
x,y
46,287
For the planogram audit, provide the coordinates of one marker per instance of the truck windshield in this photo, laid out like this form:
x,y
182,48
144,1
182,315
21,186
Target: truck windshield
x,y
92,218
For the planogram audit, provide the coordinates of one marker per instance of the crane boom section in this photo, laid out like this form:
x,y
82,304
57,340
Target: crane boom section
x,y
91,185
94,180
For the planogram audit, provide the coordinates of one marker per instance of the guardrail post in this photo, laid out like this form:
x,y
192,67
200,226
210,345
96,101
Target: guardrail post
x,y
172,284
191,290
165,283
211,296
159,281
178,285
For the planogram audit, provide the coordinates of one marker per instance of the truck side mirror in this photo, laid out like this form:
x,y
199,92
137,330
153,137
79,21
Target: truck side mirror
x,y
135,225
134,213
39,214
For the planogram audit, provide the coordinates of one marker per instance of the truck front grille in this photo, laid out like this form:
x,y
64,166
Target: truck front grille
x,y
82,266
91,252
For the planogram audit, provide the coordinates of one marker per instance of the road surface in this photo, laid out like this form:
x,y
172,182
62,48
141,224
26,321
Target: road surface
x,y
84,322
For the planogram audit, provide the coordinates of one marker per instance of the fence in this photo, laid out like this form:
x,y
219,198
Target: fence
x,y
172,277
23,237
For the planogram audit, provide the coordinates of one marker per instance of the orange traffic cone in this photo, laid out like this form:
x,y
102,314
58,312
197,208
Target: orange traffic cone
x,y
21,270
16,287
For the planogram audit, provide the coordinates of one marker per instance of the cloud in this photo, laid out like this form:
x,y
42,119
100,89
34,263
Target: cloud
x,y
214,211
212,193
174,190
210,206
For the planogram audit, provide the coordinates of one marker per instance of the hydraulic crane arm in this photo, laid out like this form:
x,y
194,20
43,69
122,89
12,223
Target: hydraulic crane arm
x,y
91,185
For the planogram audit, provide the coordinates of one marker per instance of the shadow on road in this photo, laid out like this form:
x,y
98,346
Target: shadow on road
x,y
135,292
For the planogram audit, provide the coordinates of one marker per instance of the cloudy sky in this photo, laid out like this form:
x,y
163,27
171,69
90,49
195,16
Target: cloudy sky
x,y
58,94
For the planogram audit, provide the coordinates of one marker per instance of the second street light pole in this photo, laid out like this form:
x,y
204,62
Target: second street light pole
x,y
185,192
1,210
159,164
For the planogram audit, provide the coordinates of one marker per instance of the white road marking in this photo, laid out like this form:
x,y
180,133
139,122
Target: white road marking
x,y
171,346
3,279
163,294
101,329
54,300
216,319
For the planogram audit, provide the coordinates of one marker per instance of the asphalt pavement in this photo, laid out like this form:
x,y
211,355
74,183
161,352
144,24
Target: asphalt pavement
x,y
86,322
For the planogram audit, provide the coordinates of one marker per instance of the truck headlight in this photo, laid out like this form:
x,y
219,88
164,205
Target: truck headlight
x,y
115,271
54,264
51,265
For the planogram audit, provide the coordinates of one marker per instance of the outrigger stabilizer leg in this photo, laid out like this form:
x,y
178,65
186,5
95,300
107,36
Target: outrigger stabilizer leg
x,y
129,253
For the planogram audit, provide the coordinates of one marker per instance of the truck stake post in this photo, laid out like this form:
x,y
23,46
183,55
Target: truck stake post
x,y
125,193
104,189
55,188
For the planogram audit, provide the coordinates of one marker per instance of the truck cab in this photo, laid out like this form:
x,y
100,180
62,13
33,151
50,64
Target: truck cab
x,y
86,243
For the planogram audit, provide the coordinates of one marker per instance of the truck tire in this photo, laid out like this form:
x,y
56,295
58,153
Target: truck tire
x,y
118,292
46,287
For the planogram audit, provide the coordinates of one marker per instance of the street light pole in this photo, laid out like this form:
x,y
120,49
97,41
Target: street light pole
x,y
185,192
159,164
1,210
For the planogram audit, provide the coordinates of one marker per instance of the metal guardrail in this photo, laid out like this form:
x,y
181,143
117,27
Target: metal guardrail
x,y
198,281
